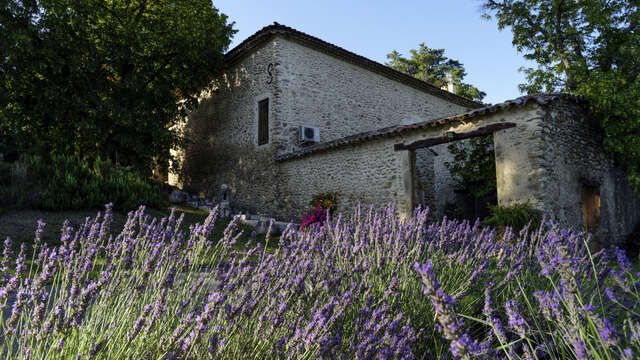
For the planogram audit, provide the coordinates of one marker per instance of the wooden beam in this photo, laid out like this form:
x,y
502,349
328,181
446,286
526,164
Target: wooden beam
x,y
452,136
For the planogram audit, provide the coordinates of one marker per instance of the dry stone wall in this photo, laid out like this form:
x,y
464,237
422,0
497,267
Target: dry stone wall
x,y
572,157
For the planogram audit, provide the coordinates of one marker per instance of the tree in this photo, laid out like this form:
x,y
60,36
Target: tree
x,y
474,167
588,47
432,66
108,79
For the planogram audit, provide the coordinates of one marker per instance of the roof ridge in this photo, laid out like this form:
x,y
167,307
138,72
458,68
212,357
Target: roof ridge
x,y
274,29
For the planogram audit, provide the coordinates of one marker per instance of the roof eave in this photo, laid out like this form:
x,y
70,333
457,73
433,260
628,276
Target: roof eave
x,y
392,131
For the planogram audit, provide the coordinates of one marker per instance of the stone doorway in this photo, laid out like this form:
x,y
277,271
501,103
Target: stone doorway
x,y
591,209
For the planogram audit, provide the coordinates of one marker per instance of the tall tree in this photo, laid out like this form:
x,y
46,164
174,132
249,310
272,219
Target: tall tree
x,y
588,47
432,66
97,78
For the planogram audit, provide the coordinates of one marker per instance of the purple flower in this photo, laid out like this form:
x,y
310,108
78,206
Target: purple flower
x,y
516,321
495,322
137,326
451,325
6,256
38,236
623,261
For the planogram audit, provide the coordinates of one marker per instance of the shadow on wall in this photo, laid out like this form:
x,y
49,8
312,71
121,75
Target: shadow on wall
x,y
212,158
199,149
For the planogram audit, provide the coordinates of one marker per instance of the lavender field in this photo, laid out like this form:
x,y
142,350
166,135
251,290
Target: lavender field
x,y
363,286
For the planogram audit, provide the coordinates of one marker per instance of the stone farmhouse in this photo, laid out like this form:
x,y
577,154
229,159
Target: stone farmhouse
x,y
293,116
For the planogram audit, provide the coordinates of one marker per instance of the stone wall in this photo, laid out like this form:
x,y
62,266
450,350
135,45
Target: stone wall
x,y
518,153
573,157
365,173
305,87
426,194
373,173
343,99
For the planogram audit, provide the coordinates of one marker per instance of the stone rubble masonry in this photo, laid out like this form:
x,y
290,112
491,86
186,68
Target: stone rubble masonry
x,y
571,154
373,173
305,87
544,160
223,133
344,99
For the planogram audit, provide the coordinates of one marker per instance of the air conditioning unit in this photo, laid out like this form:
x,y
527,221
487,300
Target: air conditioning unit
x,y
309,135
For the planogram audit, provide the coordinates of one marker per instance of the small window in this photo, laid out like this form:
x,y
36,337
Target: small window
x,y
263,122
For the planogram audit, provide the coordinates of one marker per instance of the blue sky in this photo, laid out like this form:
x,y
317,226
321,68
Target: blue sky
x,y
374,28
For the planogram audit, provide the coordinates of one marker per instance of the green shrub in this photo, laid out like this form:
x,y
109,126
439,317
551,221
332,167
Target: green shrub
x,y
69,183
452,211
5,174
516,216
326,201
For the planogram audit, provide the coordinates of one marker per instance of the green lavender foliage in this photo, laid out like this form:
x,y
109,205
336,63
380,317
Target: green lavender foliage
x,y
369,285
64,182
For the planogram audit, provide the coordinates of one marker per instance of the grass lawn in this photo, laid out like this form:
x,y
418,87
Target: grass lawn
x,y
21,225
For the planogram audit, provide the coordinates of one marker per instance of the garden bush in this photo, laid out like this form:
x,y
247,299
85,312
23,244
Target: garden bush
x,y
366,286
328,201
69,183
516,216
323,205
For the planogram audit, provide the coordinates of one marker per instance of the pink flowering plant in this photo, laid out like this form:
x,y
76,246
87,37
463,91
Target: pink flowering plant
x,y
366,286
323,204
317,216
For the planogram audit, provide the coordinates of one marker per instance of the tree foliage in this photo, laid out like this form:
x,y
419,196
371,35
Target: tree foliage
x,y
432,66
588,47
474,166
96,78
